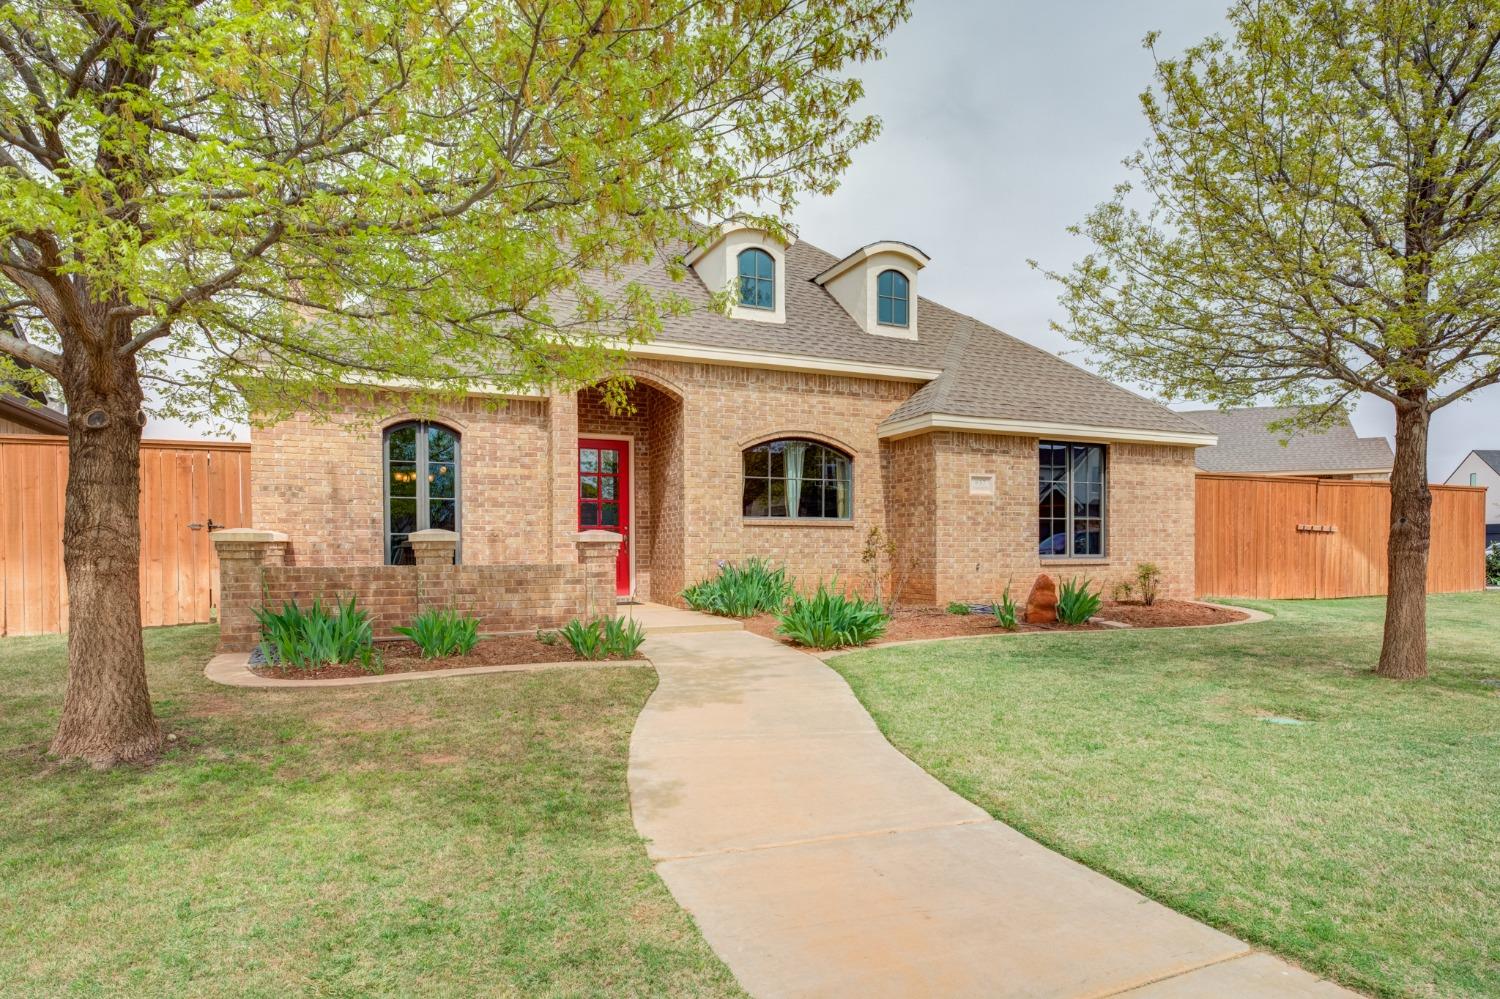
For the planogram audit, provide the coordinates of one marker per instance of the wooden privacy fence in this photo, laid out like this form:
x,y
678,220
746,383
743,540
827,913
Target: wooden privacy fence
x,y
187,489
1271,537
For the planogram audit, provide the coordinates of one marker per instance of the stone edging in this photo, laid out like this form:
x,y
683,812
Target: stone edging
x,y
1252,616
233,670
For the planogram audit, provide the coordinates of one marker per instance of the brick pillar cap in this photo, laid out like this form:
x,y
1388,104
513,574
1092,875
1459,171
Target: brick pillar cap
x,y
598,536
241,534
433,534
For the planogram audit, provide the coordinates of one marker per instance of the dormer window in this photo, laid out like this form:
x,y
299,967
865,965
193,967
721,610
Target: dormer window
x,y
894,294
877,286
748,267
757,279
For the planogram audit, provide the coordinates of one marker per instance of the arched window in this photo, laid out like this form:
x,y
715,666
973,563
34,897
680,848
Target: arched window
x,y
757,279
893,294
798,478
421,484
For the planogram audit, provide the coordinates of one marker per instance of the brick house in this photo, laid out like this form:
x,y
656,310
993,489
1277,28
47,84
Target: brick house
x,y
831,399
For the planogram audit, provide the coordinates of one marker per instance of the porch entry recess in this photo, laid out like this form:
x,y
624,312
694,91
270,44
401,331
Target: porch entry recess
x,y
604,497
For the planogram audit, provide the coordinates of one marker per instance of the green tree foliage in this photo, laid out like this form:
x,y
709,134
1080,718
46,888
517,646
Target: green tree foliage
x,y
449,189
257,204
1317,215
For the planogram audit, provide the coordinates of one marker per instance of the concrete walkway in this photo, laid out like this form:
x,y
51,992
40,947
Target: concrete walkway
x,y
819,861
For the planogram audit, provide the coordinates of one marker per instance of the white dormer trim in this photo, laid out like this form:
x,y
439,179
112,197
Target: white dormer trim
x,y
717,264
854,283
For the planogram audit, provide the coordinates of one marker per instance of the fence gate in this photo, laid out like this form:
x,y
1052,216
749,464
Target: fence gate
x,y
187,489
1276,538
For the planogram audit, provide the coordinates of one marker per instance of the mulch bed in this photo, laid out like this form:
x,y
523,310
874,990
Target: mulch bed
x,y
912,623
1167,614
404,657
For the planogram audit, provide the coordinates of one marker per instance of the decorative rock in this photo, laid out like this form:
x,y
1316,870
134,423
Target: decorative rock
x,y
1041,604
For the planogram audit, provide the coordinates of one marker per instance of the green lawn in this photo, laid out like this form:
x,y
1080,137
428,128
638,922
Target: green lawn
x,y
452,837
1364,844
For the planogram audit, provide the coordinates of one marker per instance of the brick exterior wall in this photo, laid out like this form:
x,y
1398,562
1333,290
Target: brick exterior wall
x,y
689,424
319,482
909,467
982,543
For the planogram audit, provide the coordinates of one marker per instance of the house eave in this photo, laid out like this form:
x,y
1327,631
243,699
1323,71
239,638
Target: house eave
x,y
1033,428
43,419
864,253
724,231
738,357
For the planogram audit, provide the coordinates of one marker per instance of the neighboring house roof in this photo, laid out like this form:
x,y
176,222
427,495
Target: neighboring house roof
x,y
977,377
1490,458
42,419
1246,445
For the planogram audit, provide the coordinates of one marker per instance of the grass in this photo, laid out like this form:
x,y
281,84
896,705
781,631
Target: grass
x,y
454,837
1362,844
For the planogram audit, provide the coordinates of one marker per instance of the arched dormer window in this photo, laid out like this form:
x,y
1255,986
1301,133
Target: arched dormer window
x,y
757,271
421,484
798,479
893,293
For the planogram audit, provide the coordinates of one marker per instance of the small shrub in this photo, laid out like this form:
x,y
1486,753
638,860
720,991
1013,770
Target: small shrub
x,y
585,637
547,637
1147,578
603,637
1492,564
830,619
888,571
954,607
1007,614
442,633
1076,603
741,590
309,639
1122,591
623,636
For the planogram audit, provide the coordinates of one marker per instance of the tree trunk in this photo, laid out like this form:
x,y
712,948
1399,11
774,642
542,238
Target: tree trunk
x,y
106,716
1403,655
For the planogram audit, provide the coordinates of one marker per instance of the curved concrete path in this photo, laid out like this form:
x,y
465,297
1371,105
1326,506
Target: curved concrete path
x,y
819,861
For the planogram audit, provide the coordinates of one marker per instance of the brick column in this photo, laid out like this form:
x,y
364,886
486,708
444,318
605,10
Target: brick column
x,y
597,552
243,554
433,552
562,445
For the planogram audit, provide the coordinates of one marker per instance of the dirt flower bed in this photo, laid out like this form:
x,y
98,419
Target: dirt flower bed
x,y
403,657
1167,614
912,623
923,622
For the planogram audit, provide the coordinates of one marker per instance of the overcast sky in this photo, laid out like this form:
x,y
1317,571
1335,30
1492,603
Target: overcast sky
x,y
1005,122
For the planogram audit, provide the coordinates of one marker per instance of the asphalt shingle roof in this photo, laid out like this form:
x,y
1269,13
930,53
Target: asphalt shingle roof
x,y
1490,458
985,373
1245,445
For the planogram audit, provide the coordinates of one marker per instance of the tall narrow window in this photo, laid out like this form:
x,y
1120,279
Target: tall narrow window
x,y
757,279
797,478
421,485
1071,500
893,292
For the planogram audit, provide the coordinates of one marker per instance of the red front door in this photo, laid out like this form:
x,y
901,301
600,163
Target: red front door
x,y
604,497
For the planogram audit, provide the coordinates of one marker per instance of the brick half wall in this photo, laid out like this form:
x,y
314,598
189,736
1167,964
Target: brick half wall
x,y
505,598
